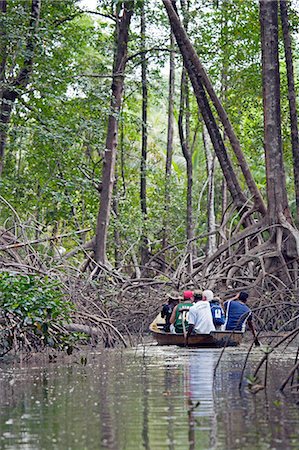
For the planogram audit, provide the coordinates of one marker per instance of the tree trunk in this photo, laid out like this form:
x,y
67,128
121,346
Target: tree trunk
x,y
10,92
169,145
112,132
143,164
275,174
200,77
210,161
117,242
115,202
185,144
292,98
224,205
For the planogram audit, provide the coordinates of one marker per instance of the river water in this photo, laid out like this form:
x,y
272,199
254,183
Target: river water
x,y
147,397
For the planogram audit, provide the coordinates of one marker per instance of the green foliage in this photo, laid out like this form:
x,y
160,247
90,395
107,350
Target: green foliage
x,y
252,380
35,307
35,301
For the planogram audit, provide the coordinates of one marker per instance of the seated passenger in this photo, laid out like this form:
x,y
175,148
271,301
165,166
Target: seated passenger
x,y
238,314
166,312
177,315
217,313
200,315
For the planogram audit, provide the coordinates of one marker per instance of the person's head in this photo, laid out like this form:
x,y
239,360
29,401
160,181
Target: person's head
x,y
173,298
207,295
197,296
243,296
188,295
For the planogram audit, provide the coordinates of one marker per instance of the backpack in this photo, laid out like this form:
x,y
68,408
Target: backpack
x,y
218,314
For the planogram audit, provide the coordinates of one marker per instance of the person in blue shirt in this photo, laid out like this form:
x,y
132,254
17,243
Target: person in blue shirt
x,y
238,314
217,313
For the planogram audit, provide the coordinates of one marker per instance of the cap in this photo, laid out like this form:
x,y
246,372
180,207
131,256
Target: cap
x,y
208,294
188,294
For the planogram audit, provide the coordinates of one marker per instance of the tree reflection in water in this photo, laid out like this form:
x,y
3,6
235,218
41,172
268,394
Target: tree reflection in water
x,y
153,399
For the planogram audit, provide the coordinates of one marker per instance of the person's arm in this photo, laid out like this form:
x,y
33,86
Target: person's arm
x,y
253,331
189,332
191,324
221,302
164,310
172,317
224,306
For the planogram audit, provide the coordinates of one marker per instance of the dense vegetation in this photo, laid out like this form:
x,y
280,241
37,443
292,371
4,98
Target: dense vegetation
x,y
171,218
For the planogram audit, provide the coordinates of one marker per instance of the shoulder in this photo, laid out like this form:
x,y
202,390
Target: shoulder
x,y
202,305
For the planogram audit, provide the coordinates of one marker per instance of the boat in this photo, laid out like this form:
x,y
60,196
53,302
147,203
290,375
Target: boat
x,y
216,338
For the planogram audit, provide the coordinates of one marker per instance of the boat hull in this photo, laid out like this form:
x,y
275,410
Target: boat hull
x,y
214,339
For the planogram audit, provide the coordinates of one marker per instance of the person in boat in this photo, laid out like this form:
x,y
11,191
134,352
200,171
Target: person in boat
x,y
200,314
167,309
238,314
217,313
177,315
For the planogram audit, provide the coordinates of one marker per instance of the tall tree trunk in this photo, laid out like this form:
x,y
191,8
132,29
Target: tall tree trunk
x,y
210,162
200,78
169,149
275,174
224,73
224,204
143,164
11,90
185,144
292,98
115,202
112,132
117,243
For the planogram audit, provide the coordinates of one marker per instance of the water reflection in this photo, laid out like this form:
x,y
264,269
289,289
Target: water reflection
x,y
147,398
199,374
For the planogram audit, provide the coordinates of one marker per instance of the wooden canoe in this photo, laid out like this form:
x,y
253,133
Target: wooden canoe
x,y
214,339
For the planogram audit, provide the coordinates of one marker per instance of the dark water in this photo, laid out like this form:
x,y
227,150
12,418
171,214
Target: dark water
x,y
146,398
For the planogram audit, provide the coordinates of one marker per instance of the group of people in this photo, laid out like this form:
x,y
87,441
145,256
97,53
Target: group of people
x,y
199,312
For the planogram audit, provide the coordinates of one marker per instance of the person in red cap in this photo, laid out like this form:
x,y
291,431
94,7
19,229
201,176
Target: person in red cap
x,y
188,295
176,318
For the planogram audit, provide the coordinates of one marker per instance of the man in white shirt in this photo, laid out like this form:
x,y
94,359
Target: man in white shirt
x,y
200,316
